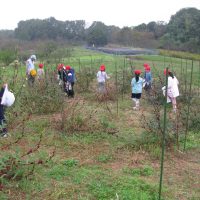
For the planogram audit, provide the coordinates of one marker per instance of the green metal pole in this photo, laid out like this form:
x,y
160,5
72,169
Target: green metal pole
x,y
186,77
188,108
116,82
123,80
163,137
181,69
79,65
199,79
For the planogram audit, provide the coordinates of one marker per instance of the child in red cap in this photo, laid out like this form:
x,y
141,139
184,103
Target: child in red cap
x,y
136,84
172,89
147,77
40,71
101,78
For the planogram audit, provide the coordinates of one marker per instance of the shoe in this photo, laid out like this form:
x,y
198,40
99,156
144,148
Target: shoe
x,y
4,135
135,108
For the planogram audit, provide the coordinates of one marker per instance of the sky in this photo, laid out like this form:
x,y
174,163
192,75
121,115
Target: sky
x,y
111,12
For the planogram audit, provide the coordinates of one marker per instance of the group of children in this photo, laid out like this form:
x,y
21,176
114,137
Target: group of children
x,y
66,75
139,83
66,78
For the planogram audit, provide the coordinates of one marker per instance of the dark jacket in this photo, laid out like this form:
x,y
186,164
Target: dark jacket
x,y
1,106
69,76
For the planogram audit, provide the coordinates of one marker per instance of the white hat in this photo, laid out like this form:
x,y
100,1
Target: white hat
x,y
33,57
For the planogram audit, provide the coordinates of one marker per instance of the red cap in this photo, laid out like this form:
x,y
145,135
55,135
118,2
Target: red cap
x,y
147,68
67,67
102,68
165,71
41,65
145,65
138,72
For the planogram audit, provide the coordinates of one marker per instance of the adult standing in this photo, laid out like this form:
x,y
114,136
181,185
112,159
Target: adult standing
x,y
30,70
136,84
172,89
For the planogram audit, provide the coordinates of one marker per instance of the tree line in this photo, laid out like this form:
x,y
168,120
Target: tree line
x,y
181,33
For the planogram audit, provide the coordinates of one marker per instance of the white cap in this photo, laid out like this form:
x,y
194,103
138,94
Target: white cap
x,y
33,57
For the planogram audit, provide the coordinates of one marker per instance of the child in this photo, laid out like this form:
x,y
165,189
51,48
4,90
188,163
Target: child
x,y
3,129
172,89
40,72
69,79
60,73
136,84
101,78
147,77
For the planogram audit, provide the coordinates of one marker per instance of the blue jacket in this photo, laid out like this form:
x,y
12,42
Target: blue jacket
x,y
148,77
69,76
73,78
137,86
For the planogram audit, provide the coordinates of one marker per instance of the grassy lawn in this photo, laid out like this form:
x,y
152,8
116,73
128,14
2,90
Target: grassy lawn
x,y
102,149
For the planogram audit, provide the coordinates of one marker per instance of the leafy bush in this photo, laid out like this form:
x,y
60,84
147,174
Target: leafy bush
x,y
44,97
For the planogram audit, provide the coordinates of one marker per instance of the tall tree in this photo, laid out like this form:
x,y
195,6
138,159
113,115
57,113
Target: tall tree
x,y
184,28
97,34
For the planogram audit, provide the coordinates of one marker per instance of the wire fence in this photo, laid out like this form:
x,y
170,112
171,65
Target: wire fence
x,y
121,72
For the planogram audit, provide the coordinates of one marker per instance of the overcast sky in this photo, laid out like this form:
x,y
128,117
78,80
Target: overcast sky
x,y
111,12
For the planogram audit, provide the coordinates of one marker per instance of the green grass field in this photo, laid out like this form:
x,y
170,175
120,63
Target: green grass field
x,y
102,149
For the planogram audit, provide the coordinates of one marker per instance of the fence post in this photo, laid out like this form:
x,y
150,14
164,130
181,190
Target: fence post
x,y
188,107
116,83
163,137
123,80
199,79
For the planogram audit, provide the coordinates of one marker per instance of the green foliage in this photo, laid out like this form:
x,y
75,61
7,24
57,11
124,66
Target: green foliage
x,y
75,174
10,169
85,77
45,97
7,56
180,54
104,158
58,172
70,162
122,188
183,29
50,28
97,34
143,171
193,141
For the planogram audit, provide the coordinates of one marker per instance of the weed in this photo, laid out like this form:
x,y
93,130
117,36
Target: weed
x,y
104,158
70,163
58,172
143,171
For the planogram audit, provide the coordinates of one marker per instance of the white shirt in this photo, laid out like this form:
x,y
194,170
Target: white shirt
x,y
102,76
29,66
40,72
172,88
